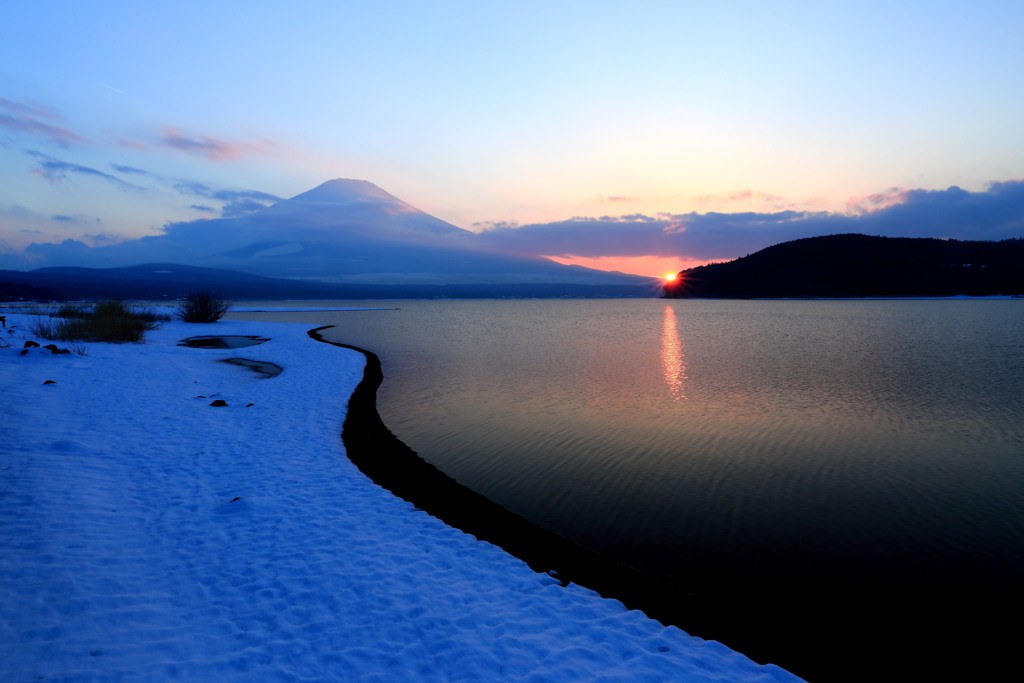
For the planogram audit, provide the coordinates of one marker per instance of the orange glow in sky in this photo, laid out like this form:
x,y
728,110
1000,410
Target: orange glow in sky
x,y
652,266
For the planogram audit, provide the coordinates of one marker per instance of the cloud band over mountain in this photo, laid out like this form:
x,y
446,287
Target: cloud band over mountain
x,y
353,229
994,214
341,231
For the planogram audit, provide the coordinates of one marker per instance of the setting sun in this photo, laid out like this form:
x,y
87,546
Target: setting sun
x,y
670,276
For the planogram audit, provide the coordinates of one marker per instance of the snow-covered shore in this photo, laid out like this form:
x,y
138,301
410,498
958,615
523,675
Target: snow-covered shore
x,y
149,536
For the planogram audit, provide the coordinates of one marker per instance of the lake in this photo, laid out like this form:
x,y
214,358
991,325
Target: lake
x,y
816,468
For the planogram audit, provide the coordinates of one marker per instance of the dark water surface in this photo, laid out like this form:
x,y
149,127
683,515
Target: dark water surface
x,y
846,477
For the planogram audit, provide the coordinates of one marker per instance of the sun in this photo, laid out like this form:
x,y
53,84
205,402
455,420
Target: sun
x,y
670,277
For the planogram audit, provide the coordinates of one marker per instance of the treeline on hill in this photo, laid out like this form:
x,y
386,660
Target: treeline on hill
x,y
861,266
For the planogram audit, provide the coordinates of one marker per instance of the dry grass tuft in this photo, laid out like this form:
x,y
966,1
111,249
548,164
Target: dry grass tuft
x,y
106,321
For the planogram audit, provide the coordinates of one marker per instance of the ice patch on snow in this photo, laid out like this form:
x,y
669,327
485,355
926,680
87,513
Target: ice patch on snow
x,y
222,342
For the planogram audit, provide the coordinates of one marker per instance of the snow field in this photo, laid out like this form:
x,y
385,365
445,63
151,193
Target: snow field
x,y
147,536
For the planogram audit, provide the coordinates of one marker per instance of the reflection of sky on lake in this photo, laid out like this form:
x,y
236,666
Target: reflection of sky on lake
x,y
834,463
673,362
815,436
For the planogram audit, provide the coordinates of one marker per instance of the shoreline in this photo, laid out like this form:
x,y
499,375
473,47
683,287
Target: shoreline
x,y
152,536
395,467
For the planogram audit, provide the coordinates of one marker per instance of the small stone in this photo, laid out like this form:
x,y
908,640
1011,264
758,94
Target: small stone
x,y
250,405
23,352
49,381
31,344
200,397
53,348
218,403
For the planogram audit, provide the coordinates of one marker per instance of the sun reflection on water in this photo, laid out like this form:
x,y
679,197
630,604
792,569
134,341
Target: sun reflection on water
x,y
673,362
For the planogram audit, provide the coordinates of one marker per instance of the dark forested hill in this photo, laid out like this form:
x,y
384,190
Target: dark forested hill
x,y
859,266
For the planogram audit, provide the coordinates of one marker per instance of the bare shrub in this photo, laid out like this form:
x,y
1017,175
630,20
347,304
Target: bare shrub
x,y
109,326
202,307
111,308
106,321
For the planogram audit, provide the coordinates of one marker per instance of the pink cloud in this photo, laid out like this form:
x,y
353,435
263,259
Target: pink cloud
x,y
212,148
46,175
674,226
25,118
31,108
877,200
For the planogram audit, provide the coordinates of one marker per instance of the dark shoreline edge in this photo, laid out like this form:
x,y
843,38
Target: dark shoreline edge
x,y
392,465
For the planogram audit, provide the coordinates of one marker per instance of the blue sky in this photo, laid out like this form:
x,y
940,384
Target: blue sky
x,y
479,114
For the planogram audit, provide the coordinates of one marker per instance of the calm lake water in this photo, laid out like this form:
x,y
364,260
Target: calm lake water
x,y
736,447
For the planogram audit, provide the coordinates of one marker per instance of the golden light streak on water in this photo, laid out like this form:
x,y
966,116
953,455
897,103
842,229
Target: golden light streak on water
x,y
673,361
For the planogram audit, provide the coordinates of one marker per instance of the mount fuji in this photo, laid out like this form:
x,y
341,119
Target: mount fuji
x,y
343,231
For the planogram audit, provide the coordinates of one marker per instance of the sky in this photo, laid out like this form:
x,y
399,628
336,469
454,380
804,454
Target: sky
x,y
118,118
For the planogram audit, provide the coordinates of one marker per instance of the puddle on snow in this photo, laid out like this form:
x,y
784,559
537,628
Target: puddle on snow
x,y
222,342
262,367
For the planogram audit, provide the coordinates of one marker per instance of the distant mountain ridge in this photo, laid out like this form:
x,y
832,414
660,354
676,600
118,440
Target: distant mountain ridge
x,y
170,281
854,265
342,231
